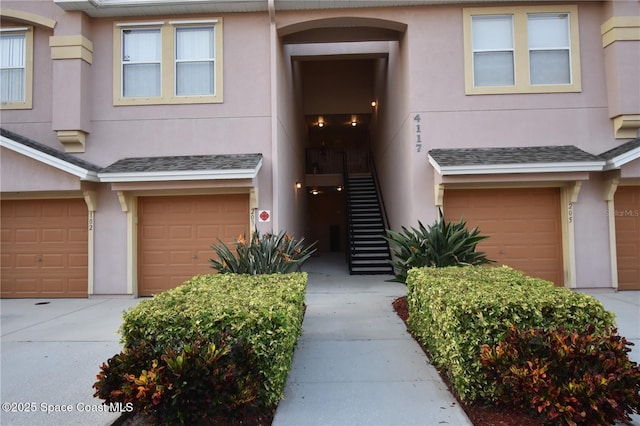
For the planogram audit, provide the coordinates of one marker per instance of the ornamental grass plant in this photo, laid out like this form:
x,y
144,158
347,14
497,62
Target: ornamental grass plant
x,y
442,244
262,254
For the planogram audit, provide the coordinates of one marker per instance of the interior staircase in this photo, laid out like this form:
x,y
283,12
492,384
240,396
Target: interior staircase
x,y
369,252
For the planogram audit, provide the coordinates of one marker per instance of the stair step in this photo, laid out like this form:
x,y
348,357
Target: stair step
x,y
371,270
368,241
369,253
370,261
368,258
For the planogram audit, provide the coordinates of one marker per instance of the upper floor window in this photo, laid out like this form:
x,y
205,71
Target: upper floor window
x,y
168,62
16,67
521,50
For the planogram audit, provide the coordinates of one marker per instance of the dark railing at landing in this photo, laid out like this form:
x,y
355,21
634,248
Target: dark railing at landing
x,y
332,161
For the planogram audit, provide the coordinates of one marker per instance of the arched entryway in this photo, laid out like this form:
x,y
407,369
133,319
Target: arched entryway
x,y
339,71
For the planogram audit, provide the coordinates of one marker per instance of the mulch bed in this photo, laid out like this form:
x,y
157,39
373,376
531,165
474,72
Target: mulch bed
x,y
480,415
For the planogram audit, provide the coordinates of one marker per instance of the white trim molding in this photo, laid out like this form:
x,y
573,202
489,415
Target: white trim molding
x,y
65,166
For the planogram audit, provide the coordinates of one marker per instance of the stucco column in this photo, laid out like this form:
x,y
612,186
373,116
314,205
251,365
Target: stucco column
x,y
621,43
71,56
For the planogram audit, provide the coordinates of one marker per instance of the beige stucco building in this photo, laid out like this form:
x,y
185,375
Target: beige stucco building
x,y
135,133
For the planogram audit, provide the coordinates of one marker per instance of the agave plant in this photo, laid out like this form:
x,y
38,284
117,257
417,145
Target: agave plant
x,y
442,244
262,254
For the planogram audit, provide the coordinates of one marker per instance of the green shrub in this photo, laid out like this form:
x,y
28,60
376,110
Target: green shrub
x,y
568,377
199,384
455,311
265,310
442,244
263,254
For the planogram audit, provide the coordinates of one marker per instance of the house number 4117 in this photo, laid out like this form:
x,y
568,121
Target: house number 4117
x,y
418,140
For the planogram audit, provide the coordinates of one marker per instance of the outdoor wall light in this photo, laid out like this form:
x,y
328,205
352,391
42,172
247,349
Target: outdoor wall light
x,y
298,185
339,188
354,123
320,123
314,191
374,103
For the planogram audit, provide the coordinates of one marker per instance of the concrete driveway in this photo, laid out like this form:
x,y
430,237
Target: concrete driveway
x,y
51,352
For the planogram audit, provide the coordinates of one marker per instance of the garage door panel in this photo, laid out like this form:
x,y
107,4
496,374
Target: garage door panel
x,y
153,232
26,286
78,261
181,258
208,231
76,235
45,245
523,226
53,235
25,260
52,261
23,210
209,207
28,236
181,232
153,258
53,285
177,245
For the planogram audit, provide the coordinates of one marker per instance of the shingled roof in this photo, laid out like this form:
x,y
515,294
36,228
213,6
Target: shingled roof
x,y
529,159
187,167
622,154
48,155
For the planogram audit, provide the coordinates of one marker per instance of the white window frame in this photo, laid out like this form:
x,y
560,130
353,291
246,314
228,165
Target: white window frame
x,y
177,61
168,65
476,50
522,71
27,101
555,48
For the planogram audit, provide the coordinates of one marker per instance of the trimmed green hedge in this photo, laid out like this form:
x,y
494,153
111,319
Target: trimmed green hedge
x,y
266,310
454,311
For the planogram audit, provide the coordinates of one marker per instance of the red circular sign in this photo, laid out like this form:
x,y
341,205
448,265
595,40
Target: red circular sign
x,y
264,216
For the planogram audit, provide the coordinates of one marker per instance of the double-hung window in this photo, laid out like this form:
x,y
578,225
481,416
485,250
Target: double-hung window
x,y
195,61
16,63
549,48
141,63
167,62
521,49
493,50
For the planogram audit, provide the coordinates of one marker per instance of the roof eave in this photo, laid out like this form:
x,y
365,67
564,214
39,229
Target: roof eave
x,y
191,175
622,159
116,8
591,166
65,166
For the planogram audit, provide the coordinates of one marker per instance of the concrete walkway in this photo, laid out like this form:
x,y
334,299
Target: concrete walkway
x,y
355,363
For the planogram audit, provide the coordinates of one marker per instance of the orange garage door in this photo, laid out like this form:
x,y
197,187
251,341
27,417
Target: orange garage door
x,y
175,236
627,209
523,226
44,248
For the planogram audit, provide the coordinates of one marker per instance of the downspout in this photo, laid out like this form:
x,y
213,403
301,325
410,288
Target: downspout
x,y
275,179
